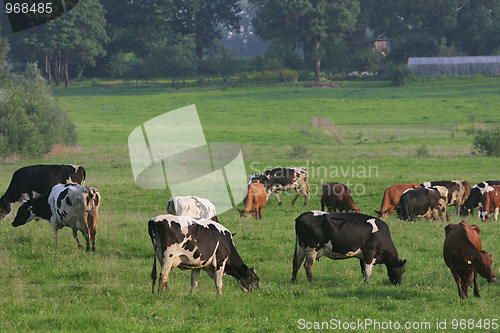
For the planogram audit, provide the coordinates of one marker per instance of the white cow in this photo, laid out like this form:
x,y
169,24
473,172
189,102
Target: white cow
x,y
70,205
192,206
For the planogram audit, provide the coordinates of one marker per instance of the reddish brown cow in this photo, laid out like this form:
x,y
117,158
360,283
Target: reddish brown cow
x,y
490,202
464,256
337,197
255,200
391,198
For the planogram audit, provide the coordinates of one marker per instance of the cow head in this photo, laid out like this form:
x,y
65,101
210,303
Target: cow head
x,y
247,278
24,214
396,271
5,207
76,175
243,212
482,262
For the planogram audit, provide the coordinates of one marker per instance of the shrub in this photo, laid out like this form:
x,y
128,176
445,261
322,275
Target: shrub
x,y
298,151
487,142
289,75
31,122
423,151
398,74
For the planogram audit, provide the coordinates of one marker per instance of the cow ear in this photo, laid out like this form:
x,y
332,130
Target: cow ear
x,y
468,260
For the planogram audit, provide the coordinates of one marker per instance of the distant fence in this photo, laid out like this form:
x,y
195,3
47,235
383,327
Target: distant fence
x,y
373,133
328,124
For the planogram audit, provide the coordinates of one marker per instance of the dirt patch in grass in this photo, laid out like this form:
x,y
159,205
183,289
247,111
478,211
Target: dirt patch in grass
x,y
62,150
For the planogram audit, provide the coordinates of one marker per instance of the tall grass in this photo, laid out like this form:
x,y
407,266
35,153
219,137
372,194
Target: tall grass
x,y
58,288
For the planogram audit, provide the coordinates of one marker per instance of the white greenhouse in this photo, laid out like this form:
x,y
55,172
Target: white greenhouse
x,y
485,65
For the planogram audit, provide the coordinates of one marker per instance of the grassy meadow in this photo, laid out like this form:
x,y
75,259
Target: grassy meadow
x,y
48,288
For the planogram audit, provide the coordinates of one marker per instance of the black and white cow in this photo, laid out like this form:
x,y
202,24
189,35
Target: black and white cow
x,y
189,243
70,205
342,236
458,191
32,181
474,198
284,179
192,206
420,201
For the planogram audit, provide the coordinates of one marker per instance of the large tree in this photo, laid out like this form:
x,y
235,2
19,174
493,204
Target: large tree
x,y
470,25
306,23
75,39
203,19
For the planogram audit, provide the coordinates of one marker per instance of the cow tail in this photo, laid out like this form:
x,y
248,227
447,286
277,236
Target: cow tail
x,y
151,225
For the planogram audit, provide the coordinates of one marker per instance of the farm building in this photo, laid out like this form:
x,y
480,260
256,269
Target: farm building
x,y
484,65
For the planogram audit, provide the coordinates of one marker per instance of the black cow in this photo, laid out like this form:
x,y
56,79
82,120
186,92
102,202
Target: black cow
x,y
458,191
32,181
474,199
420,201
342,236
284,179
189,243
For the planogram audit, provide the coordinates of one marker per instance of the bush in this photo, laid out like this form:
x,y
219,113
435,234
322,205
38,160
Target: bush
x,y
398,74
487,142
267,77
288,75
31,122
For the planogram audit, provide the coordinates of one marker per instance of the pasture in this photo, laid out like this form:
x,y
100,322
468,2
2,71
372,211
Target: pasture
x,y
58,288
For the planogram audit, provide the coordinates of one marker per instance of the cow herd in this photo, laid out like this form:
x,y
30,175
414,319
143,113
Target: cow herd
x,y
190,236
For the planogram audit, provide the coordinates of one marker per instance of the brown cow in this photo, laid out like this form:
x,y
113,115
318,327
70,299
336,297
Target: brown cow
x,y
337,197
254,201
464,256
490,202
391,198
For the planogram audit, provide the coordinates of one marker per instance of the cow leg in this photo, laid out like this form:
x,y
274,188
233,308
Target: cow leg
x,y
476,289
277,197
298,258
309,263
367,262
195,276
75,236
165,272
219,273
54,231
296,196
260,213
458,281
496,214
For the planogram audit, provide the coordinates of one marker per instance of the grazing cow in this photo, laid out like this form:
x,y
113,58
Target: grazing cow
x,y
254,201
490,202
391,198
337,197
465,257
70,205
474,199
188,243
32,181
284,179
458,191
443,211
421,202
192,206
342,236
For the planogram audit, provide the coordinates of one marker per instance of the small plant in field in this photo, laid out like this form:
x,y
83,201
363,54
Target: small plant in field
x,y
298,151
423,151
487,143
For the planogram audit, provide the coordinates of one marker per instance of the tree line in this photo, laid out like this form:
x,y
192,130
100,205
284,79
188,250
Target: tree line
x,y
185,38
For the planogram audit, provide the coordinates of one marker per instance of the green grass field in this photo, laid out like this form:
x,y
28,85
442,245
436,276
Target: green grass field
x,y
58,288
